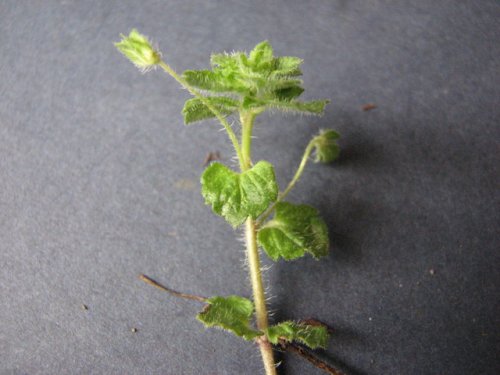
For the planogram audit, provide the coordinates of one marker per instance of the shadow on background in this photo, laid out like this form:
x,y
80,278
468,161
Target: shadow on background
x,y
346,241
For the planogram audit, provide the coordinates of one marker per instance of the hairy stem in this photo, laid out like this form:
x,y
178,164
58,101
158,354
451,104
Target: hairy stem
x,y
214,110
292,183
300,169
247,119
255,275
259,297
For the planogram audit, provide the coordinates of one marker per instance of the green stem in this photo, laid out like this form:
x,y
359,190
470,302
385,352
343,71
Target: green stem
x,y
259,296
247,119
203,99
292,183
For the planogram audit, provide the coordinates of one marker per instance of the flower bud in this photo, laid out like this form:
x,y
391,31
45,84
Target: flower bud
x,y
326,147
137,48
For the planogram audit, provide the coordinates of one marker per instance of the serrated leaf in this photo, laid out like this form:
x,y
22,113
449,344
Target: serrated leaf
x,y
258,79
294,230
261,54
281,84
225,60
315,107
195,110
250,102
206,80
289,93
287,66
237,196
326,148
232,313
311,335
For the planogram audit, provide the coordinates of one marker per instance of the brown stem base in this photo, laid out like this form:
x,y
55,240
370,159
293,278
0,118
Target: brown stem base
x,y
311,358
265,346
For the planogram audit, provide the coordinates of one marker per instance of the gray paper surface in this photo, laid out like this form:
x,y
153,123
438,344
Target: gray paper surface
x,y
99,182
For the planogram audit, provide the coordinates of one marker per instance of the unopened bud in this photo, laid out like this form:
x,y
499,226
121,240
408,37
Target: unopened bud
x,y
137,48
325,146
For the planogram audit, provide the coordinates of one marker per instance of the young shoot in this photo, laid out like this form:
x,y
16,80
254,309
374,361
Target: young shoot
x,y
244,86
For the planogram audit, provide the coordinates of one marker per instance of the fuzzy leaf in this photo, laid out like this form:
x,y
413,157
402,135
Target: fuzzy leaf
x,y
226,77
206,80
259,80
274,85
311,335
287,66
288,93
237,196
195,110
326,148
232,313
315,107
225,60
261,54
294,230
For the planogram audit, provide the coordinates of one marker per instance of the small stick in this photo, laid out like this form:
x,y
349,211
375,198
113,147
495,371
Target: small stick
x,y
150,281
302,352
369,107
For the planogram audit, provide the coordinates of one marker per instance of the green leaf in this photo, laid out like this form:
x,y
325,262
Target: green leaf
x,y
259,80
195,110
287,66
232,313
315,107
206,80
288,93
314,336
274,85
237,196
326,148
261,54
227,77
250,102
225,60
294,230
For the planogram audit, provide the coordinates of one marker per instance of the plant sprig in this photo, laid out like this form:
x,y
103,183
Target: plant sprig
x,y
246,85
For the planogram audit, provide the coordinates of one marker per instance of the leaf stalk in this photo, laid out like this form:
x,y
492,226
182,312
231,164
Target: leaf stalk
x,y
152,282
216,112
291,184
247,119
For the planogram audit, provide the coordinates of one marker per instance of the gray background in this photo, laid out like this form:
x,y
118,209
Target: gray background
x,y
99,182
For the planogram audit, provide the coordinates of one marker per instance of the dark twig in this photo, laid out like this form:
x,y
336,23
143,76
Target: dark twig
x,y
150,281
369,107
311,358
